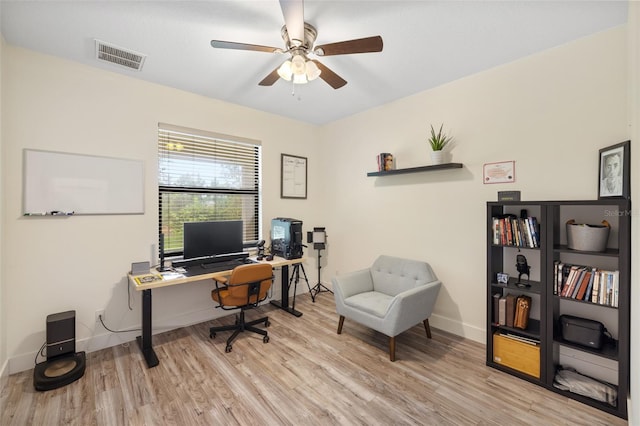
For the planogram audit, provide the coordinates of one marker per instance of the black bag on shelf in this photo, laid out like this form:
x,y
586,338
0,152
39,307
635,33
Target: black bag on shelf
x,y
581,331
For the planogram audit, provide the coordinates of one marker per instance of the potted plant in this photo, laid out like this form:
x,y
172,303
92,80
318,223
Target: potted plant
x,y
438,141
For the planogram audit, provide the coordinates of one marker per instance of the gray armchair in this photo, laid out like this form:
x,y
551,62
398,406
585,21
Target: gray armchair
x,y
390,297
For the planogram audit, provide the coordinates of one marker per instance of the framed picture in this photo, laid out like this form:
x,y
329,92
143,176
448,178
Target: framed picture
x,y
293,176
500,172
614,171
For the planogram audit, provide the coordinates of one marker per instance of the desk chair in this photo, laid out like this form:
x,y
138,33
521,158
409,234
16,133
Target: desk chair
x,y
244,288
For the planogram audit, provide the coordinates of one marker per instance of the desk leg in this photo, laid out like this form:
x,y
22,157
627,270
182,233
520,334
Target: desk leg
x,y
144,341
284,304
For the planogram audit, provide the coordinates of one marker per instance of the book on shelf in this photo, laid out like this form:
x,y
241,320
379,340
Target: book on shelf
x,y
510,309
496,308
502,311
586,283
386,162
509,230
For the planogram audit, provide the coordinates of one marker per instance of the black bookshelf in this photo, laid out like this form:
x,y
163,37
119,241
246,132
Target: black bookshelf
x,y
554,351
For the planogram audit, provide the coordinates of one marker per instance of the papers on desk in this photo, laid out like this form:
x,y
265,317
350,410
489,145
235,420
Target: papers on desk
x,y
147,278
171,275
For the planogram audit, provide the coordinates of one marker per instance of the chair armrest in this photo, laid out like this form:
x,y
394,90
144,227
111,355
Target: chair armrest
x,y
352,283
413,306
222,280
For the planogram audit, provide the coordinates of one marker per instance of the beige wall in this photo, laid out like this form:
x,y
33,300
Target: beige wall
x,y
80,262
550,112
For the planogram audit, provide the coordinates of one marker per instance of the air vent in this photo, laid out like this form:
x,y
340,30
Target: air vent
x,y
117,55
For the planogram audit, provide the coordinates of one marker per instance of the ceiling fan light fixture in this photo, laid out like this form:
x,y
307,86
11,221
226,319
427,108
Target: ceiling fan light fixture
x,y
298,65
313,71
285,71
300,79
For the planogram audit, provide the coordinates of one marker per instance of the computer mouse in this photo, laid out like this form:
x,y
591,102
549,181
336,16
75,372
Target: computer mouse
x,y
269,258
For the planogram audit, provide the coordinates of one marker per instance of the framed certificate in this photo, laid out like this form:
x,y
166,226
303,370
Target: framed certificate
x,y
501,172
293,176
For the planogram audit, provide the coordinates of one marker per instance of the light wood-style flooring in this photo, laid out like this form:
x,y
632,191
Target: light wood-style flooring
x,y
306,375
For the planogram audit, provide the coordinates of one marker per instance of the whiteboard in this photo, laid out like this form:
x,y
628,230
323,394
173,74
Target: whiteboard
x,y
81,184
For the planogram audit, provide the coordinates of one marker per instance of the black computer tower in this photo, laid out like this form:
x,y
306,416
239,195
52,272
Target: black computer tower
x,y
286,237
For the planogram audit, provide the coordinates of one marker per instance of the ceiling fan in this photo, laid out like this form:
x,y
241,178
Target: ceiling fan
x,y
299,37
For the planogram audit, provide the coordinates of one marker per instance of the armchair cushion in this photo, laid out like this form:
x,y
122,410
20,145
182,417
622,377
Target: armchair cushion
x,y
371,302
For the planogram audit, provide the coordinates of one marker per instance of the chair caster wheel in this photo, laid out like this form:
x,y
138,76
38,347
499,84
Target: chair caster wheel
x,y
265,339
212,335
227,349
267,323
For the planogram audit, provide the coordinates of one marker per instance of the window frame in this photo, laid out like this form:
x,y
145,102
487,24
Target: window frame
x,y
253,229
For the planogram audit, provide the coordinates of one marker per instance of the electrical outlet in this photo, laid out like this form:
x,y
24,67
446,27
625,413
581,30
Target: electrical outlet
x,y
98,314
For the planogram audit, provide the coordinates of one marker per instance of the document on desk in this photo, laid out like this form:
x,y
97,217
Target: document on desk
x,y
171,275
147,278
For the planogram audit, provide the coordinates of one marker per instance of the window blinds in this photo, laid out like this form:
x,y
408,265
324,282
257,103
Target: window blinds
x,y
205,176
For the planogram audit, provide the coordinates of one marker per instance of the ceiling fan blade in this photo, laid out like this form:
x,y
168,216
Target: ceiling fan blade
x,y
361,45
293,12
219,44
333,79
270,79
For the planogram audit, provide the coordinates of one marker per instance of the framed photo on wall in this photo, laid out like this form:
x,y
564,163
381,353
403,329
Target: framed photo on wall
x,y
293,176
614,171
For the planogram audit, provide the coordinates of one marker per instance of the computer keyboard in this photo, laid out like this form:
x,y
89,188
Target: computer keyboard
x,y
208,268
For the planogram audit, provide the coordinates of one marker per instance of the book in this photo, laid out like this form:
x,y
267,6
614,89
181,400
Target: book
x,y
510,309
496,230
596,287
587,294
616,288
583,285
496,308
385,162
569,281
147,278
502,311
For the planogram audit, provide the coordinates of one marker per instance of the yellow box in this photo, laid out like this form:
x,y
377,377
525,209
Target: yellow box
x,y
520,356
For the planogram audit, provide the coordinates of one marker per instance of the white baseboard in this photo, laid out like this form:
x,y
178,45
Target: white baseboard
x,y
104,339
4,376
458,328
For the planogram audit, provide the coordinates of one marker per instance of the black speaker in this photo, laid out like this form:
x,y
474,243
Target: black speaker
x,y
61,334
161,267
63,365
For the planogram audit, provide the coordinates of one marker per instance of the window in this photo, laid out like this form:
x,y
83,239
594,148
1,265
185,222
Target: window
x,y
205,176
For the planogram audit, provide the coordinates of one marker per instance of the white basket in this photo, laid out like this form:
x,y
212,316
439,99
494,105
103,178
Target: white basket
x,y
587,237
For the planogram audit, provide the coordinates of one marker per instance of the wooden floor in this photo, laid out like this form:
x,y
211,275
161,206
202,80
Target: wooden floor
x,y
305,375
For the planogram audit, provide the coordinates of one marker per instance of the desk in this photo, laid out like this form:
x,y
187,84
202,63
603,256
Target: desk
x,y
144,340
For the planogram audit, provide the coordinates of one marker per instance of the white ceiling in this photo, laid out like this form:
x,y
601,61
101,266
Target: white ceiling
x,y
426,43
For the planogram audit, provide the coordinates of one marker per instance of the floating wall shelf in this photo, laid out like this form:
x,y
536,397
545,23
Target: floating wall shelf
x,y
417,169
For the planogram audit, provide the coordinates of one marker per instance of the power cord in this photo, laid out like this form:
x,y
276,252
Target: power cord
x,y
35,361
116,331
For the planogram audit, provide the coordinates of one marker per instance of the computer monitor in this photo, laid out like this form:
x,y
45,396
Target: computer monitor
x,y
208,239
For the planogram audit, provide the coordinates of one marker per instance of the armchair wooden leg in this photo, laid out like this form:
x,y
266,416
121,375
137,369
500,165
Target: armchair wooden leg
x,y
427,328
340,324
392,348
